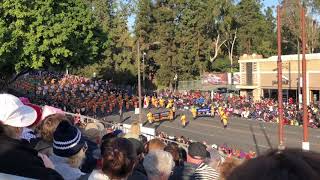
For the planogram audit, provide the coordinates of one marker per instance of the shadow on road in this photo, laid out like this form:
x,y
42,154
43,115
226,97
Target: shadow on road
x,y
124,120
158,125
255,140
265,135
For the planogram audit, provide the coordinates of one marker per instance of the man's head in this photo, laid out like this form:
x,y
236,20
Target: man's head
x,y
158,165
156,144
197,152
14,115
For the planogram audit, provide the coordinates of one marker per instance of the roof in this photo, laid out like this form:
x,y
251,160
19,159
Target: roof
x,y
292,57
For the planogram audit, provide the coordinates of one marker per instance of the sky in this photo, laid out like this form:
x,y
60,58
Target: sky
x,y
268,3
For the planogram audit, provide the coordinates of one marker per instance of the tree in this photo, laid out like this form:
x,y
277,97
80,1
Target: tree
x,y
37,34
254,29
164,14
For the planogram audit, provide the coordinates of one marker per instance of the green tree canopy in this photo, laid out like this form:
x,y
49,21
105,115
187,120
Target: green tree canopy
x,y
39,34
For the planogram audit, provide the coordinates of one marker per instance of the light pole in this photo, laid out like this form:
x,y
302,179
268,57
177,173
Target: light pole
x,y
139,77
139,82
144,71
279,66
298,79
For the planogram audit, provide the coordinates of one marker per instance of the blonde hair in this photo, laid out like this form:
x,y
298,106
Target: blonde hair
x,y
135,128
228,166
76,160
49,125
156,144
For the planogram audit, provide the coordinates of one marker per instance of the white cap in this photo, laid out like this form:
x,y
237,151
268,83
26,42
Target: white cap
x,y
14,113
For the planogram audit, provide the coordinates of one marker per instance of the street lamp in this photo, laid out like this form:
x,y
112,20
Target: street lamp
x,y
139,77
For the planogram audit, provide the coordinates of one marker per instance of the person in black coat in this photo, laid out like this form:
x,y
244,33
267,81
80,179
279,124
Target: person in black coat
x,y
16,157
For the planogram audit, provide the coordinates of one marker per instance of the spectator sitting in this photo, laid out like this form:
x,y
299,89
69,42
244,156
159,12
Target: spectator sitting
x,y
46,130
69,150
289,164
16,157
118,160
158,165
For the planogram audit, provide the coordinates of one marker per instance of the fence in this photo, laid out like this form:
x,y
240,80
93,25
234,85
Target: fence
x,y
120,126
199,85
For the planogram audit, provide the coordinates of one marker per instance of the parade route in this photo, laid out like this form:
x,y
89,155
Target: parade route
x,y
241,133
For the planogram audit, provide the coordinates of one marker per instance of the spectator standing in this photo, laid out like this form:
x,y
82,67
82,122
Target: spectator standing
x,y
139,171
16,157
46,130
288,164
69,150
118,160
197,153
158,165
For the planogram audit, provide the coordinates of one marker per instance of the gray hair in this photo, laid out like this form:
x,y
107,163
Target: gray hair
x,y
158,163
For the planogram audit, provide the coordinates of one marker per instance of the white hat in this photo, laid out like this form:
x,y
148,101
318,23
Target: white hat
x,y
49,110
14,113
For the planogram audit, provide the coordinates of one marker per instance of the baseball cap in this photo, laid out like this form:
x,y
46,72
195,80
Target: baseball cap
x,y
197,150
14,113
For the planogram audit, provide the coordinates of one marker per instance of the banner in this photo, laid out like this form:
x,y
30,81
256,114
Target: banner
x,y
215,79
236,78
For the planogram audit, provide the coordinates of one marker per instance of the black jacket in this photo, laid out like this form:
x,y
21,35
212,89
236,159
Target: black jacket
x,y
19,159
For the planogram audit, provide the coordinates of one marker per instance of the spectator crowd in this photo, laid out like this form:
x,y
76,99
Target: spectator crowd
x,y
99,98
45,143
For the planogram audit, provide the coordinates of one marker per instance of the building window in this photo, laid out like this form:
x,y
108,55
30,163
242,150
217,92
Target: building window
x,y
249,73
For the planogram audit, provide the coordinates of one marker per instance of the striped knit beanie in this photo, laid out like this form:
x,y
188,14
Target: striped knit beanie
x,y
67,140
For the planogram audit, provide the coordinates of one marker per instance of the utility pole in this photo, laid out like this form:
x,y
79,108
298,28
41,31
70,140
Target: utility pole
x,y
305,143
298,84
279,65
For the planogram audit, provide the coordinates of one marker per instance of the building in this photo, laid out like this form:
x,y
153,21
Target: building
x,y
258,76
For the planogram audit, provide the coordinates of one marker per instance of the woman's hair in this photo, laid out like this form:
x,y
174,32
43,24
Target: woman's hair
x,y
49,125
76,160
9,131
156,144
173,149
118,157
135,128
227,167
183,154
289,164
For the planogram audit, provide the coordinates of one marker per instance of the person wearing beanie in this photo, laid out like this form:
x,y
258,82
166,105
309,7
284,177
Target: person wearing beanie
x,y
69,150
17,158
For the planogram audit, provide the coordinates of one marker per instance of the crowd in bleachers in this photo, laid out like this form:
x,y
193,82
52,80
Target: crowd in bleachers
x,y
45,143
